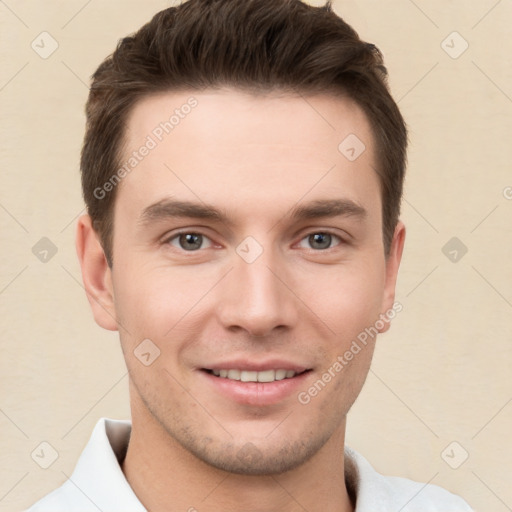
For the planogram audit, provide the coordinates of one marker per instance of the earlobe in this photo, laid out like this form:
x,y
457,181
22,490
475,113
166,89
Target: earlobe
x,y
96,274
392,265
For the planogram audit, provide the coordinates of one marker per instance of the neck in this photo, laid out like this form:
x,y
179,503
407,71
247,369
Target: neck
x,y
165,476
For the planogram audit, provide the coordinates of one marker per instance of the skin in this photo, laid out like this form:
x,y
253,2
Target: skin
x,y
255,159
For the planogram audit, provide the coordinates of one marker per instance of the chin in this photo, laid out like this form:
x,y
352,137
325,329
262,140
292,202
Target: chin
x,y
258,457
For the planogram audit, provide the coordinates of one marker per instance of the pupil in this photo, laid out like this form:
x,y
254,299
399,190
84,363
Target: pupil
x,y
320,240
191,241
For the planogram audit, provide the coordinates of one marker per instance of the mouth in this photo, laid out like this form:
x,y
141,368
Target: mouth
x,y
247,381
256,385
264,376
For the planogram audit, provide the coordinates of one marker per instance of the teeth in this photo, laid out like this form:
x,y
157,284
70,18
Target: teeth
x,y
280,374
234,374
252,376
266,376
248,376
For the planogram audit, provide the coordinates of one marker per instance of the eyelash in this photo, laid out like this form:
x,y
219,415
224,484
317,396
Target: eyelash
x,y
332,235
176,236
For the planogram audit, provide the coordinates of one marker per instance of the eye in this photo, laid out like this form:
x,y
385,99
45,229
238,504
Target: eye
x,y
189,241
320,241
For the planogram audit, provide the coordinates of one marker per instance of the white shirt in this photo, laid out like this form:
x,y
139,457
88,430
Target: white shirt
x,y
98,483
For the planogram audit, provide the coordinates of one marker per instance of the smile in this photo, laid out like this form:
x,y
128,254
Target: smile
x,y
254,376
256,383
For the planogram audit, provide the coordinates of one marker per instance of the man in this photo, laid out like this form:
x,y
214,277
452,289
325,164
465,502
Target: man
x,y
242,170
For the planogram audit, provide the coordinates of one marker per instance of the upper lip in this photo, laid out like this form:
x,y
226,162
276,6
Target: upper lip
x,y
257,366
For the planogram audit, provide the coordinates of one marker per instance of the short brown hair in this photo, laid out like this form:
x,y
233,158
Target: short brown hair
x,y
254,45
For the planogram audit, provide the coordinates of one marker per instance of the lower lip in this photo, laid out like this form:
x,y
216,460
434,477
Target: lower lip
x,y
256,393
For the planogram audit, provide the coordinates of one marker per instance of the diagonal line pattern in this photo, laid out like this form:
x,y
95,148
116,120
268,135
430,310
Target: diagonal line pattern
x,y
421,490
73,220
13,279
216,487
198,403
65,65
118,323
491,80
5,495
424,13
410,409
171,170
493,287
302,96
289,494
1,410
14,76
486,14
419,81
13,13
198,301
14,218
279,424
94,405
167,167
302,197
508,507
300,299
423,280
199,199
421,215
88,497
501,409
485,218
76,14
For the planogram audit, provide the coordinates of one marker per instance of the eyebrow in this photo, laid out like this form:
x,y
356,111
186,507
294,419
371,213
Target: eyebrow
x,y
329,208
170,208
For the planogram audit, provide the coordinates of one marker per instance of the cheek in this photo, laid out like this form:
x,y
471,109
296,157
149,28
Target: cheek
x,y
157,302
350,298
151,306
147,301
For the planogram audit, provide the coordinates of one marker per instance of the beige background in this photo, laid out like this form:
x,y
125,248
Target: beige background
x,y
443,372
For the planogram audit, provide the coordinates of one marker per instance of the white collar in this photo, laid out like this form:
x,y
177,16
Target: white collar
x,y
98,471
99,483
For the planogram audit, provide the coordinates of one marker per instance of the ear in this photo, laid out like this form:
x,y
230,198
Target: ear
x,y
96,274
392,265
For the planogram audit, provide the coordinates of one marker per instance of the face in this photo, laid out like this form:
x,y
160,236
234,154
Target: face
x,y
248,250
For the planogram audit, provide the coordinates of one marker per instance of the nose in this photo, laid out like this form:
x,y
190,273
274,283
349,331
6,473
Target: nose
x,y
255,297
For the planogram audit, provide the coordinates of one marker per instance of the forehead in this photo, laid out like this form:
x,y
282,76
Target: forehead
x,y
230,146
